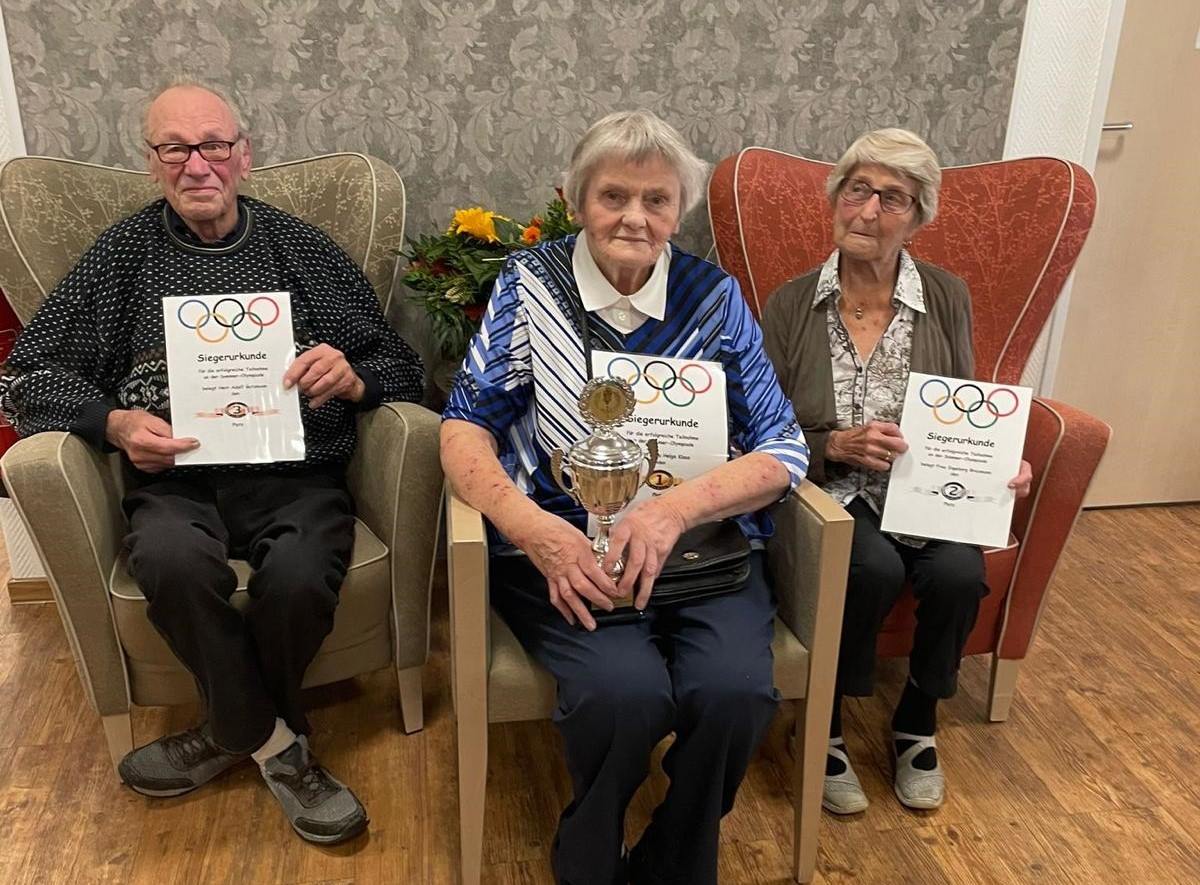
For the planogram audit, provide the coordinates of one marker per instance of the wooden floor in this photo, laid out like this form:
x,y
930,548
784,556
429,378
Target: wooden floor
x,y
1095,777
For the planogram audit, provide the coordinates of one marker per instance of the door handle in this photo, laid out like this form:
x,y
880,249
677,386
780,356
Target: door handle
x,y
1123,126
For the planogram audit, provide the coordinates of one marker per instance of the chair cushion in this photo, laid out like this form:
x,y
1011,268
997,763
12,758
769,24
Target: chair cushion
x,y
791,663
895,639
520,689
360,640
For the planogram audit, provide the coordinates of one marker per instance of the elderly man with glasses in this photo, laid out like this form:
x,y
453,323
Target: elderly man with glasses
x,y
93,362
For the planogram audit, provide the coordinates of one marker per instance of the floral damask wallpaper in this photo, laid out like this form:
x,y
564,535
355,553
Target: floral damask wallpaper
x,y
481,101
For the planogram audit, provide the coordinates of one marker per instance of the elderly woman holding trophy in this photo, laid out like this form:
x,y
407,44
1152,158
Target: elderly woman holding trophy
x,y
532,437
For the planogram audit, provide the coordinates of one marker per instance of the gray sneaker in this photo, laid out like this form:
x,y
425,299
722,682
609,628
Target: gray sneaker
x,y
319,806
176,764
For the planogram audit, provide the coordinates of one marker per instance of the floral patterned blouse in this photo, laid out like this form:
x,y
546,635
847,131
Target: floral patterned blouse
x,y
873,391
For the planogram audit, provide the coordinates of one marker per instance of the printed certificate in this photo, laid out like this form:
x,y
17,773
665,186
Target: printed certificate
x,y
682,404
965,440
226,356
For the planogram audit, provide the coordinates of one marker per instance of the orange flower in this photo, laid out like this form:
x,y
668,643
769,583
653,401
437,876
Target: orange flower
x,y
530,235
476,222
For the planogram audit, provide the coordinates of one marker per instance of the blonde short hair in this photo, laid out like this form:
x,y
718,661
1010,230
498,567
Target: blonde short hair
x,y
901,151
634,136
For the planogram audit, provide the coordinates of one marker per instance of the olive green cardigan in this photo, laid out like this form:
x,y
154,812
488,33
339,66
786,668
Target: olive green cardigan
x,y
796,338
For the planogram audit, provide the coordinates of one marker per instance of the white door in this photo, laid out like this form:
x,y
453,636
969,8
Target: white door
x,y
1131,343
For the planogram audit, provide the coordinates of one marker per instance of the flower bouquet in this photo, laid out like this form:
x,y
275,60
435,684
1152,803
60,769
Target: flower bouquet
x,y
451,274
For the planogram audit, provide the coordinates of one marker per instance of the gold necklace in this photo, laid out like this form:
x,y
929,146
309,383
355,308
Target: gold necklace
x,y
858,312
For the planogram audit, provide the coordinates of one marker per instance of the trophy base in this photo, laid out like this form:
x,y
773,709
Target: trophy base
x,y
623,612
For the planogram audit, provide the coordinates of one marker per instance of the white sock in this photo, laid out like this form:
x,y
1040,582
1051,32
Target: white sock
x,y
281,738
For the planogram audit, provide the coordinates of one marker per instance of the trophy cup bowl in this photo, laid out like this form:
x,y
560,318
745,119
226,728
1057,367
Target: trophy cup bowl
x,y
604,469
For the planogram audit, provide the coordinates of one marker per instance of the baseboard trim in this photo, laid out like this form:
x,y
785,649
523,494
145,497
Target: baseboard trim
x,y
26,591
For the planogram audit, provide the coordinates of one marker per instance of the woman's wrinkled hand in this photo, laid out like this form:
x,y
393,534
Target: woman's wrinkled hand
x,y
563,555
873,446
645,536
1023,481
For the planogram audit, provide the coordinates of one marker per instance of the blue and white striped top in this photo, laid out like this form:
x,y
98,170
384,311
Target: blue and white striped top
x,y
526,367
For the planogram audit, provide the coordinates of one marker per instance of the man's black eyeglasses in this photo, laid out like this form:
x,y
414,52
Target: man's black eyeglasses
x,y
177,154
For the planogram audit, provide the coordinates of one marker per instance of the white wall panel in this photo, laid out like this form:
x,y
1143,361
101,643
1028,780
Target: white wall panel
x,y
1068,49
12,136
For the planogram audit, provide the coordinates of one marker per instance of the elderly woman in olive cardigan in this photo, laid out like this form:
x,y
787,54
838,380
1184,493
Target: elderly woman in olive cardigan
x,y
843,339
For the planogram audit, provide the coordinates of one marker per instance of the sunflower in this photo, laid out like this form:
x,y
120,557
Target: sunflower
x,y
476,222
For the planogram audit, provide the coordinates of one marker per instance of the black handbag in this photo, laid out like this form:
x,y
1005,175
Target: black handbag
x,y
708,560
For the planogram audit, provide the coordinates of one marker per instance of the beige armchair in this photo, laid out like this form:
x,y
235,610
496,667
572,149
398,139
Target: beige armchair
x,y
68,494
495,681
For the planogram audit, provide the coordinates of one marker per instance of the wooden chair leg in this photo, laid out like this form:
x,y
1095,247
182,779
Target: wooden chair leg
x,y
1004,683
808,774
472,786
118,732
411,699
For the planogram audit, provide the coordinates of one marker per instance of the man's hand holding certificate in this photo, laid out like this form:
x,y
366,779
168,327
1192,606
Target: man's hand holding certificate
x,y
956,480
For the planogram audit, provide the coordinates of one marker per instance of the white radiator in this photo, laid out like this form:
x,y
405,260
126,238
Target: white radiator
x,y
22,557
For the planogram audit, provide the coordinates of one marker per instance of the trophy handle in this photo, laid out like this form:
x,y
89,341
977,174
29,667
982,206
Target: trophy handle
x,y
556,468
651,457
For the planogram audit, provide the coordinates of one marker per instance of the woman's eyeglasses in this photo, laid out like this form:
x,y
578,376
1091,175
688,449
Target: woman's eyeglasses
x,y
855,191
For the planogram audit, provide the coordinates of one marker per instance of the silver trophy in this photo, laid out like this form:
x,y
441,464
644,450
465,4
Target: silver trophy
x,y
604,469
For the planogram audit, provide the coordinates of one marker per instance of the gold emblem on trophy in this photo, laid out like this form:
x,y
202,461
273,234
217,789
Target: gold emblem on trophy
x,y
604,468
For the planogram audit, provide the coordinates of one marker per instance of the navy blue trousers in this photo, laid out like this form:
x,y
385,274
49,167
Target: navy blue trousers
x,y
296,531
702,670
948,582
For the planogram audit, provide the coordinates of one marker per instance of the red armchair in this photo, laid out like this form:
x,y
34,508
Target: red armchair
x,y
1012,230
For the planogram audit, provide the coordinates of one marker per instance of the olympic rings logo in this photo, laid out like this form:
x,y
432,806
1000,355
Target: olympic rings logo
x,y
678,388
968,400
230,316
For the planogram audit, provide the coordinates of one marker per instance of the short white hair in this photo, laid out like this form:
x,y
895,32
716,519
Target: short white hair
x,y
182,83
634,137
901,151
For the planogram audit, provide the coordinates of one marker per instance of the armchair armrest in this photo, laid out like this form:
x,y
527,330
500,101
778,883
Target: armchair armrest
x,y
470,644
68,499
1064,446
395,477
808,557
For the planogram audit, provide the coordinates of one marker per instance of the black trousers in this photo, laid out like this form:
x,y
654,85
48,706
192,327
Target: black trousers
x,y
948,582
702,670
296,532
